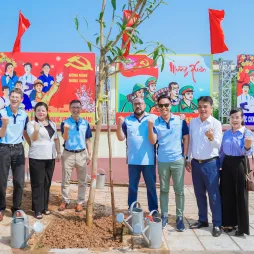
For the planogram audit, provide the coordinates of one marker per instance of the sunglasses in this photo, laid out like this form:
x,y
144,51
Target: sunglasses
x,y
166,105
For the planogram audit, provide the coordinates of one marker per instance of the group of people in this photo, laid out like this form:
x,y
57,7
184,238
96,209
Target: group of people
x,y
217,162
34,89
44,150
182,100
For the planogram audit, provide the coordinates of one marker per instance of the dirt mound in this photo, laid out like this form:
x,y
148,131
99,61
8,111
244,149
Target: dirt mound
x,y
71,231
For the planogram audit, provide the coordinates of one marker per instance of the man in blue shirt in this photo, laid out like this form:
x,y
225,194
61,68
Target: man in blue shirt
x,y
13,123
140,153
77,154
169,131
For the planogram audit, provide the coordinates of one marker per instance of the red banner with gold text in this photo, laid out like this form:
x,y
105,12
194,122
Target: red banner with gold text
x,y
65,77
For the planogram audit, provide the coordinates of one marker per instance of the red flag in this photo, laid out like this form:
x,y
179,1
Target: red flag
x,y
126,16
138,65
217,35
23,26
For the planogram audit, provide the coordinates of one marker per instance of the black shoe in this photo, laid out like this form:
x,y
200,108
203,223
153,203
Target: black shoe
x,y
199,224
237,233
216,231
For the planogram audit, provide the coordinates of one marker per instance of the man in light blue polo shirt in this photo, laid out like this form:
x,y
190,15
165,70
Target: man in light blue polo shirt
x,y
77,154
169,131
140,153
13,123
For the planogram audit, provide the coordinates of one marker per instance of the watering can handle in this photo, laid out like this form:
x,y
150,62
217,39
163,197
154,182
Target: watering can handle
x,y
153,211
23,215
101,170
132,205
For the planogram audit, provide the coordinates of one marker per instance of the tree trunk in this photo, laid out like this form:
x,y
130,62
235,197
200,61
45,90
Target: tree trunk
x,y
90,202
110,166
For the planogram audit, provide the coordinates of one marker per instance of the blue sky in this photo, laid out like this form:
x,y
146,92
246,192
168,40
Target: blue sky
x,y
182,26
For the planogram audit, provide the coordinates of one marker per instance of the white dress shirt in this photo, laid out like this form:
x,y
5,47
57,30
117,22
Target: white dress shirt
x,y
44,147
200,147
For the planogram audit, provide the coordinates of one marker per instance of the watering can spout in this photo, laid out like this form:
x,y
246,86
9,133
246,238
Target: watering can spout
x,y
135,221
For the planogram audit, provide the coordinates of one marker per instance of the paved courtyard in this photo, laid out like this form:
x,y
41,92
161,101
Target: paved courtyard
x,y
190,241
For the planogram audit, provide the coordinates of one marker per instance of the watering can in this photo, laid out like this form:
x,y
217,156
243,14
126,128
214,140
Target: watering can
x,y
100,179
136,217
152,233
20,230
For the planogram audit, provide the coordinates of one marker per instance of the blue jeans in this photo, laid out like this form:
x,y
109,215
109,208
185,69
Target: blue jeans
x,y
149,175
205,177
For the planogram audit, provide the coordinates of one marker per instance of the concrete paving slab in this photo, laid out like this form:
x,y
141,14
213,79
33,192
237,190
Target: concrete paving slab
x,y
246,243
170,230
221,243
5,243
183,243
251,219
6,232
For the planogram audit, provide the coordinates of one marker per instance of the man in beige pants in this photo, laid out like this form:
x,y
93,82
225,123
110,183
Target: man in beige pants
x,y
77,154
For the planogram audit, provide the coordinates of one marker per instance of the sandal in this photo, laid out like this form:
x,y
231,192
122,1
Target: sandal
x,y
38,215
46,212
228,229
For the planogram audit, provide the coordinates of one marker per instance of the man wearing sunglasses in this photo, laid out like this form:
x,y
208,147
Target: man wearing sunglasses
x,y
140,153
169,131
77,154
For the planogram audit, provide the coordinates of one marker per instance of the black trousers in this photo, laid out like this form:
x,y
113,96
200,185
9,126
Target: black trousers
x,y
12,156
234,195
41,173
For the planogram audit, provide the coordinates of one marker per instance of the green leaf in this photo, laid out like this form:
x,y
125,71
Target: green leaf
x,y
101,15
119,51
139,40
120,25
140,51
123,7
110,59
76,22
97,40
155,54
86,22
89,45
113,2
162,62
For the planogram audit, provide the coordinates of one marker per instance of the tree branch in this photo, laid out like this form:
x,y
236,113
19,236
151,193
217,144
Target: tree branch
x,y
86,39
111,26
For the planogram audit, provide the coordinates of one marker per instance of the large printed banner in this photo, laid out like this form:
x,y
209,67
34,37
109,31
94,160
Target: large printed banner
x,y
184,79
245,87
64,77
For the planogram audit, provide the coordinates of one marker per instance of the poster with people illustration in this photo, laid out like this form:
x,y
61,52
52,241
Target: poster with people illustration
x,y
53,78
184,79
245,87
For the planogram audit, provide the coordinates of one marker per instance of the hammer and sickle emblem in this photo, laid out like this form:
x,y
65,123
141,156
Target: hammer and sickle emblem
x,y
144,63
76,63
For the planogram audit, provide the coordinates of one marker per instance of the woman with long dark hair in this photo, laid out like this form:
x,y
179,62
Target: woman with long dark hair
x,y
236,146
44,150
9,78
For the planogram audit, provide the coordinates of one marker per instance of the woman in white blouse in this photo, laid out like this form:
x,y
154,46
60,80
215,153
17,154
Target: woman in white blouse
x,y
44,150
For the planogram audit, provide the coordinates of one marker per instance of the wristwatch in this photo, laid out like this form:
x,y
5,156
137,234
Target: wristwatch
x,y
185,157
